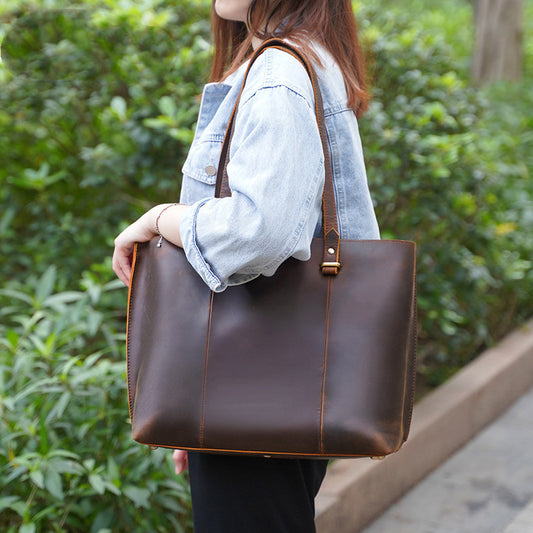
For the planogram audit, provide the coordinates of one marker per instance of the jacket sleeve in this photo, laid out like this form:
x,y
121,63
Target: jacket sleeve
x,y
276,175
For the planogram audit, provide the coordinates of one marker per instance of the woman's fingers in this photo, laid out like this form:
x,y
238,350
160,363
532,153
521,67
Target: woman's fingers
x,y
180,461
143,230
122,263
140,231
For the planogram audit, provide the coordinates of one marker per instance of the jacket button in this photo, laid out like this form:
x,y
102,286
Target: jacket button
x,y
210,170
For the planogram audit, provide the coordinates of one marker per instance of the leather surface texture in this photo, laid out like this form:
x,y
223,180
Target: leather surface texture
x,y
314,361
299,364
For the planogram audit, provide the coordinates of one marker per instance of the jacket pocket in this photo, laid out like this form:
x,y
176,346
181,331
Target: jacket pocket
x,y
202,161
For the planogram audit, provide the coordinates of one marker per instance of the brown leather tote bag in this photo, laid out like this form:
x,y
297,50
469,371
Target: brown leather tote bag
x,y
315,361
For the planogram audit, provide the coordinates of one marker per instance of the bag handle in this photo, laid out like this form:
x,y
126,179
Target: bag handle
x,y
331,253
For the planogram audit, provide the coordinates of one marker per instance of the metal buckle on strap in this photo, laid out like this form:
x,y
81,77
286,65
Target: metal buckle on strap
x,y
333,264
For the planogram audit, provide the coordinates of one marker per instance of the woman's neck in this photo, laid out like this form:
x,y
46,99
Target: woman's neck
x,y
256,42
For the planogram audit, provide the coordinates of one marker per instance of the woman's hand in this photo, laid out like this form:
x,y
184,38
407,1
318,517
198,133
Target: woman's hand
x,y
180,461
168,220
141,230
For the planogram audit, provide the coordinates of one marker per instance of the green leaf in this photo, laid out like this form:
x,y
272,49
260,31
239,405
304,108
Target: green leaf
x,y
27,528
103,520
12,502
46,284
12,337
38,478
138,496
67,467
37,180
64,454
97,483
162,122
113,488
112,468
118,105
56,300
37,385
113,285
59,408
167,106
52,481
19,295
89,464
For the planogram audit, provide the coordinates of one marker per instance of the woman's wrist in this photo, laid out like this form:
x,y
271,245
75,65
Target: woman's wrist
x,y
164,220
150,220
158,217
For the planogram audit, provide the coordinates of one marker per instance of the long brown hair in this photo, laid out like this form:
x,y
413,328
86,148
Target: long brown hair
x,y
330,23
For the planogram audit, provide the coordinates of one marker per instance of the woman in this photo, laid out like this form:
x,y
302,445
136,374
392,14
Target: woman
x,y
276,175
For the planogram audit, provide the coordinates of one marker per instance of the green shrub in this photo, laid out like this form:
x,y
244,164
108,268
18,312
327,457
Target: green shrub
x,y
67,460
439,176
97,120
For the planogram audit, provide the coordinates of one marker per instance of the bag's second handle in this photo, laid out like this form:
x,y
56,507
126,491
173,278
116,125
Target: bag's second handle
x,y
331,253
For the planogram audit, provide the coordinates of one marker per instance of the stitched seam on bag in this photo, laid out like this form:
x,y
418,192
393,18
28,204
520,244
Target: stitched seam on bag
x,y
128,336
324,367
256,452
413,357
206,355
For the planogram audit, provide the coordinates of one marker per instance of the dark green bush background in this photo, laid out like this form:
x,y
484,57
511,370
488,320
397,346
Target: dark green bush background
x,y
94,127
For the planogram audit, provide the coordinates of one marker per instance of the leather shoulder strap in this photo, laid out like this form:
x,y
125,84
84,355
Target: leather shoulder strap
x,y
331,255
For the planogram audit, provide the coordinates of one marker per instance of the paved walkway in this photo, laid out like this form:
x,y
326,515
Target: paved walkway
x,y
486,487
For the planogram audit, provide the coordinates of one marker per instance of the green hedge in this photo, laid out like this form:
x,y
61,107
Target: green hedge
x,y
67,460
97,124
446,172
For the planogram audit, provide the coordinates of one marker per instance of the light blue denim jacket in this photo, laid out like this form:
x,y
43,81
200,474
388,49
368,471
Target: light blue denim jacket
x,y
275,172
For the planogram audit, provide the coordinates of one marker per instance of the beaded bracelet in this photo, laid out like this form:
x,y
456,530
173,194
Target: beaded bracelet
x,y
157,223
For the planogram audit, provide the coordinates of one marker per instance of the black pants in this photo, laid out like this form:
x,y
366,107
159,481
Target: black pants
x,y
237,494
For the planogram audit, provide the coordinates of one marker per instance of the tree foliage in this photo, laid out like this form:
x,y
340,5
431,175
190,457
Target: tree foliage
x,y
97,107
446,174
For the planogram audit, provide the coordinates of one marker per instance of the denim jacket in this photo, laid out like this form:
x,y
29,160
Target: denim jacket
x,y
275,171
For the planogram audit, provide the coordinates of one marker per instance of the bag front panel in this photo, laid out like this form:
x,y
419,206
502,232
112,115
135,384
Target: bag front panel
x,y
370,366
267,346
165,362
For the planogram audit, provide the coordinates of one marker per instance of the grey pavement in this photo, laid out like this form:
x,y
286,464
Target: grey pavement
x,y
486,487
